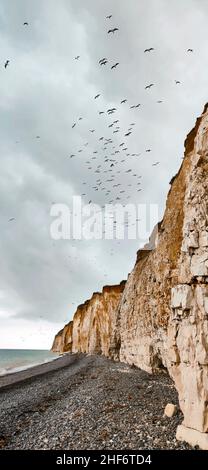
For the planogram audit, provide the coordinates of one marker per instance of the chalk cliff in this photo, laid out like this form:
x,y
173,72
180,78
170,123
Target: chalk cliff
x,y
93,323
159,318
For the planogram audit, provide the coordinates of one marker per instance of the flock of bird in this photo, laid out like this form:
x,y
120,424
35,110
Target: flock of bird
x,y
111,159
115,154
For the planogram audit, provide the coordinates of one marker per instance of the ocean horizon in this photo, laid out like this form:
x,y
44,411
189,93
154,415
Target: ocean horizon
x,y
15,360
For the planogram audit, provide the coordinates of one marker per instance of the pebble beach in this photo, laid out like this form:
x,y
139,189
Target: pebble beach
x,y
87,402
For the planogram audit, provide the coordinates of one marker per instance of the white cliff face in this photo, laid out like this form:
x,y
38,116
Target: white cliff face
x,y
188,326
63,339
160,317
91,329
163,315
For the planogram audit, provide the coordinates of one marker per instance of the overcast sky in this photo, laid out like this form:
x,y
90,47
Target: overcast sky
x,y
44,90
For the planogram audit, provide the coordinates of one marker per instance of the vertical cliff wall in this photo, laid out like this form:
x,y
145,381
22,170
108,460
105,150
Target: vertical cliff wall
x,y
161,317
93,323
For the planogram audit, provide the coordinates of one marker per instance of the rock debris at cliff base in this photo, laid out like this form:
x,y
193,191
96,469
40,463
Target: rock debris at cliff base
x,y
93,403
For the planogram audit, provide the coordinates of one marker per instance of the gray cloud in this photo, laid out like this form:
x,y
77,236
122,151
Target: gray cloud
x,y
44,91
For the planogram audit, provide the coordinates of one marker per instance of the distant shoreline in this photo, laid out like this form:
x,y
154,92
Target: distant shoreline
x,y
35,370
15,370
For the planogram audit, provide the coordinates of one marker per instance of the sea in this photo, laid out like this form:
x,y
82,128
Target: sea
x,y
15,360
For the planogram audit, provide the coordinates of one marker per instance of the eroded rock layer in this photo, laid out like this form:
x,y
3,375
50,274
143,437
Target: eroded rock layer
x,y
163,316
93,323
160,316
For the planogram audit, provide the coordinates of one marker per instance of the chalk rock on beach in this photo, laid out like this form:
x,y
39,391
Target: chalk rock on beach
x,y
170,410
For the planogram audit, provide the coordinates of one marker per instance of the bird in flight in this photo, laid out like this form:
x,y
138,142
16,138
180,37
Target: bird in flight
x,y
80,119
123,101
72,155
128,133
149,86
103,61
101,112
115,65
177,82
137,105
77,57
6,64
155,164
25,23
190,50
97,96
148,150
92,130
159,101
149,50
37,137
111,110
11,220
109,17
74,125
113,30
